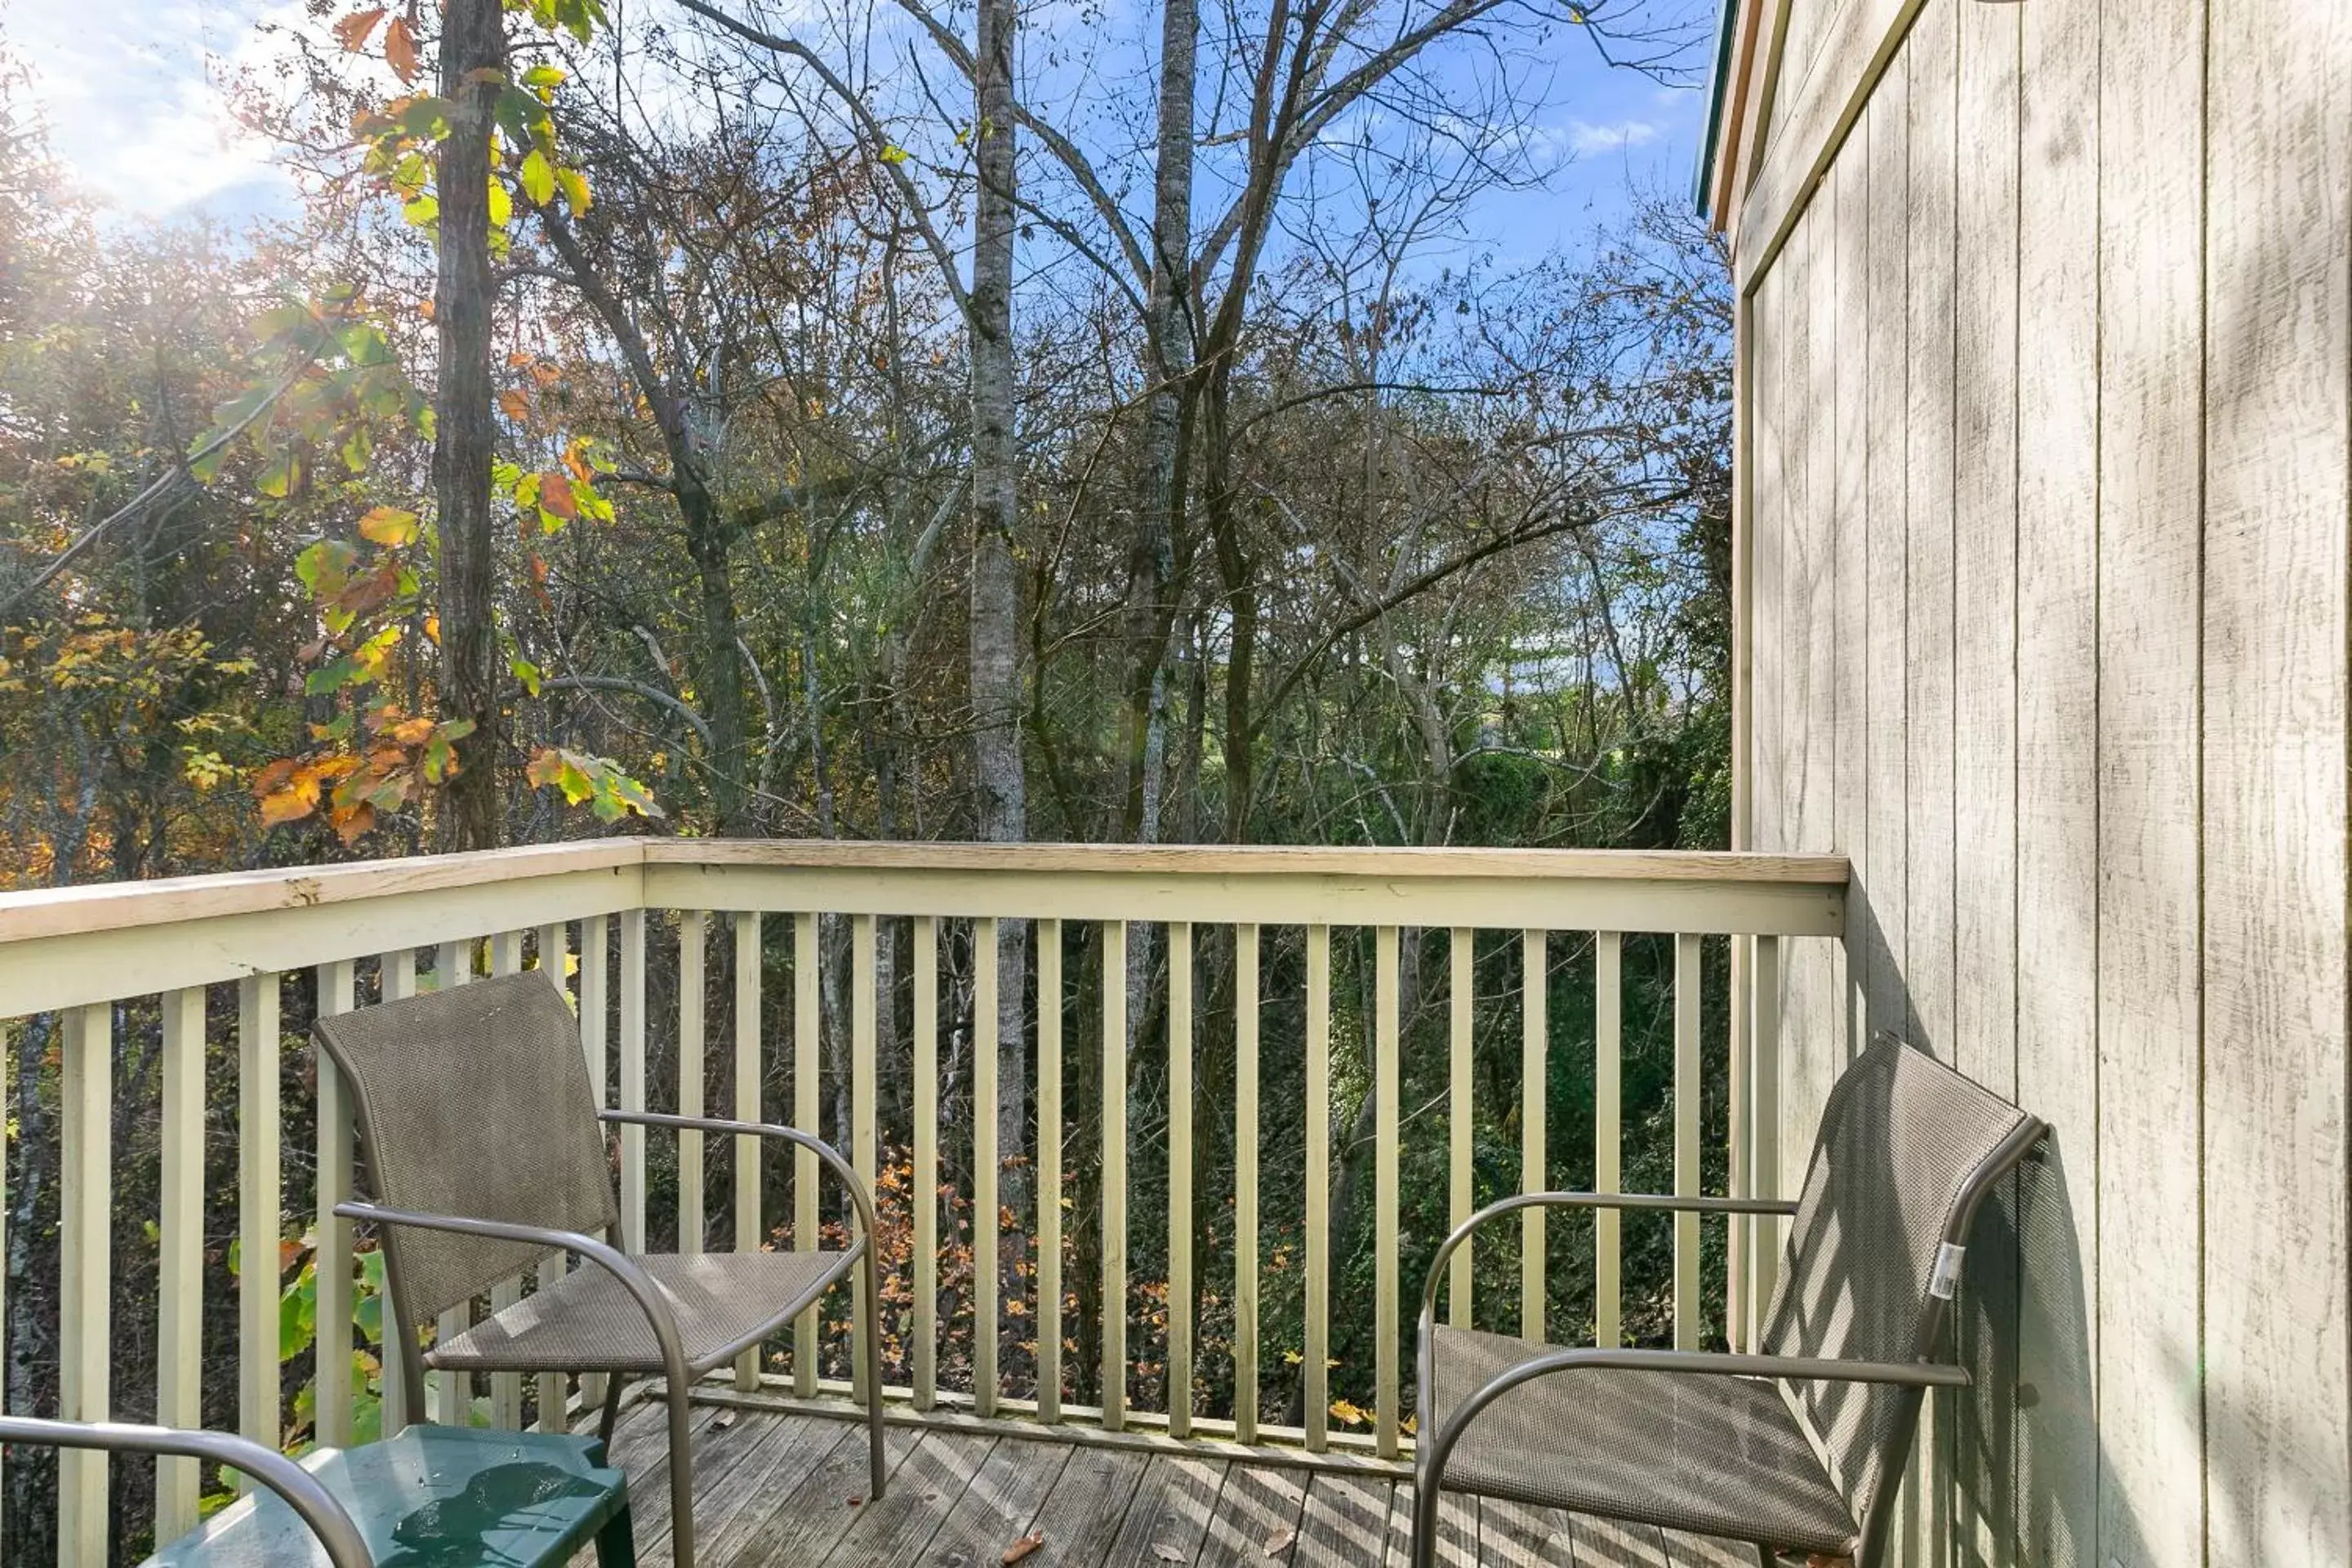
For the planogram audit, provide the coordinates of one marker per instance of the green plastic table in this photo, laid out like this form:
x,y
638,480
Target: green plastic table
x,y
437,1497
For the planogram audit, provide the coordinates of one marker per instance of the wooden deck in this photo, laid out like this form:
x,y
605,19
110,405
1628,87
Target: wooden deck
x,y
777,1490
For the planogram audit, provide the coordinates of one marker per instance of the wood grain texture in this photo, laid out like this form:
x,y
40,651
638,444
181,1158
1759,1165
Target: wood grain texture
x,y
2150,590
1343,1521
1882,902
1171,1508
1849,345
2057,798
1932,61
1984,742
2278,312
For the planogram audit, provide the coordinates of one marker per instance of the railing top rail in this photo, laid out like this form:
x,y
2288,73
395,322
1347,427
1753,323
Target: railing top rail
x,y
1221,860
45,912
116,906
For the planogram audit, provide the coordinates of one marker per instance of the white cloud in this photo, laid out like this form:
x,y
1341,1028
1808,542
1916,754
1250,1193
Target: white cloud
x,y
1584,138
134,98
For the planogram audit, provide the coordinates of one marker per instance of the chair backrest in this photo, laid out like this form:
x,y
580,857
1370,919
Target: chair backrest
x,y
474,1101
1907,1149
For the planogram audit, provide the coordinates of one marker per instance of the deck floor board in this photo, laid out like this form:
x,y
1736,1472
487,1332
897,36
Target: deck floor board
x,y
782,1490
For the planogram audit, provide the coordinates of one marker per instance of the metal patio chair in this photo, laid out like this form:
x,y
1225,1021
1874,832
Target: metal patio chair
x,y
437,1494
1799,1447
485,1152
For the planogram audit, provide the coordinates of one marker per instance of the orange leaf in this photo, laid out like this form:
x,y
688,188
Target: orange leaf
x,y
400,48
350,825
412,732
273,777
514,405
555,495
1024,1547
288,806
353,31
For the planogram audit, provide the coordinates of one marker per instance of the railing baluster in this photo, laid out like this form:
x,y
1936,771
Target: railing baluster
x,y
1114,1175
180,1263
395,981
1245,1217
632,1079
805,1116
1049,1168
1180,1180
925,1193
1608,1057
331,1262
1385,1428
506,1387
748,1063
1688,1323
985,1228
85,1215
453,1392
1461,1006
861,1102
551,1390
1740,1152
1535,1039
258,1209
595,1046
1764,1117
693,929
1317,1353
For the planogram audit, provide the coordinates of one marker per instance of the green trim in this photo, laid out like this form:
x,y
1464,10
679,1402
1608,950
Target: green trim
x,y
1717,81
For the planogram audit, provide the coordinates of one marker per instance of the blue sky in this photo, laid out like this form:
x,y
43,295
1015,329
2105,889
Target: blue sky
x,y
134,94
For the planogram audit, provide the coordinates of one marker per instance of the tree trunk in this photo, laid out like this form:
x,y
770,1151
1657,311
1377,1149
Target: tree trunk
x,y
473,44
719,680
998,777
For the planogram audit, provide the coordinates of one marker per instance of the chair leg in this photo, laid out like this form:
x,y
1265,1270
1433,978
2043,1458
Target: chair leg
x,y
682,1474
616,1544
872,1330
1424,1520
609,1415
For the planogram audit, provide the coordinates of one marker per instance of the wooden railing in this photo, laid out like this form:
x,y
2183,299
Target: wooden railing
x,y
88,968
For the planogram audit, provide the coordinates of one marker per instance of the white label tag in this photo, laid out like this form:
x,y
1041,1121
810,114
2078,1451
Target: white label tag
x,y
1946,1278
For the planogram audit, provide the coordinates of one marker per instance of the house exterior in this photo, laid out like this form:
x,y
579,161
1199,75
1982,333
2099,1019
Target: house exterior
x,y
2045,332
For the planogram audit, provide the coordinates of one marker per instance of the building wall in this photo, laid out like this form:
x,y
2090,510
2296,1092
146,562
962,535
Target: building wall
x,y
2047,335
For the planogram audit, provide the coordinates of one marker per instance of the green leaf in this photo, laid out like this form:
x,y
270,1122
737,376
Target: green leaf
x,y
332,677
502,203
892,153
538,177
280,477
421,211
526,672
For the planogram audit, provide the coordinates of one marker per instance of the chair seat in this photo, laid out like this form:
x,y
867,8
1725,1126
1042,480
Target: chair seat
x,y
587,1320
444,1495
1712,1454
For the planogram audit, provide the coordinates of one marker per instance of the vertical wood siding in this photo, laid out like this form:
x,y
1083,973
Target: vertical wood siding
x,y
2048,423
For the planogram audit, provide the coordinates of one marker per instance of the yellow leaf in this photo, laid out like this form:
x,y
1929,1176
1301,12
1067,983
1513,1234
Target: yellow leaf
x,y
389,525
538,177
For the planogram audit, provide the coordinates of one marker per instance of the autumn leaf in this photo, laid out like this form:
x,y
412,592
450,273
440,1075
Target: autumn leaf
x,y
514,405
1024,1547
1281,1541
538,177
389,525
1167,1553
353,31
400,49
555,495
575,189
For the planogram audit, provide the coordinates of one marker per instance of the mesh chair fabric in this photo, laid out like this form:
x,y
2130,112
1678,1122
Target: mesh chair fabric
x,y
588,1321
474,1101
1714,1454
1904,1142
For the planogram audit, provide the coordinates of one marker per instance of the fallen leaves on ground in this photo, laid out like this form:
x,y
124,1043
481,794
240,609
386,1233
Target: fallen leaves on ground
x,y
1024,1546
1282,1542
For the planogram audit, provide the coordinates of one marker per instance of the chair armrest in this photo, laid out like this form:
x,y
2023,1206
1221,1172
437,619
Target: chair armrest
x,y
1810,1369
610,1259
1650,1201
301,1491
830,1156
